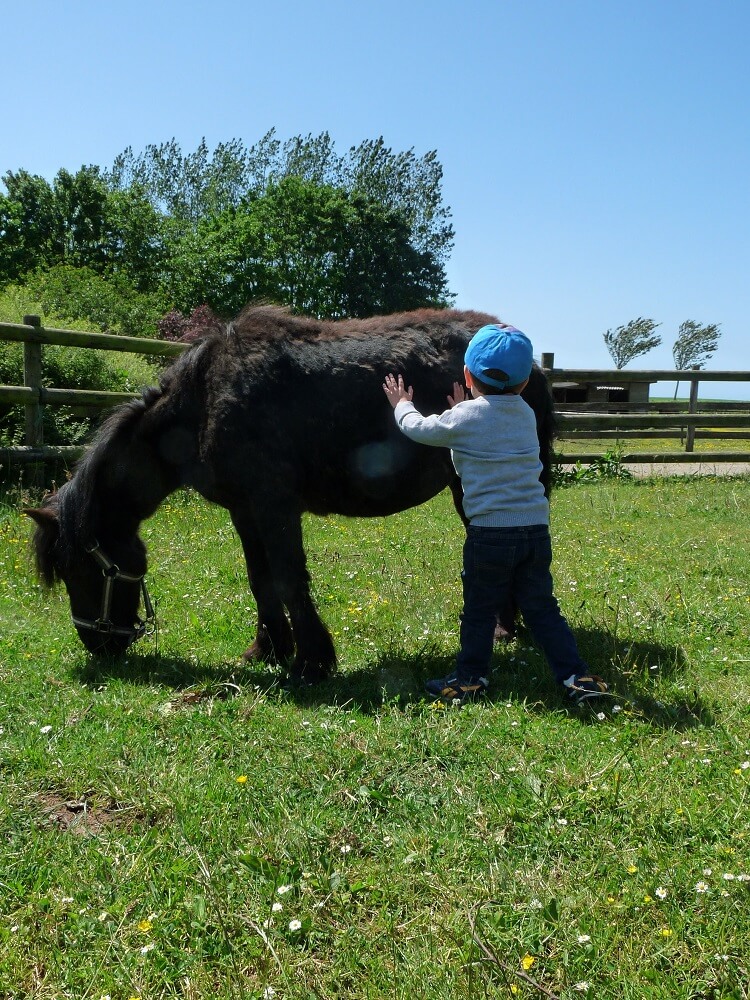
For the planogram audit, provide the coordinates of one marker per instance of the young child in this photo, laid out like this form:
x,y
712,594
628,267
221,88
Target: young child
x,y
507,552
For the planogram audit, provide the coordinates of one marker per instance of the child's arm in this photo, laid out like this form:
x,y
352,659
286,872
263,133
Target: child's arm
x,y
433,430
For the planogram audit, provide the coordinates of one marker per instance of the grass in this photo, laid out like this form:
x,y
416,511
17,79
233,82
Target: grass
x,y
593,446
178,824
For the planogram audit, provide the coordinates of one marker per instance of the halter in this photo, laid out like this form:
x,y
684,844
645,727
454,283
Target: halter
x,y
111,572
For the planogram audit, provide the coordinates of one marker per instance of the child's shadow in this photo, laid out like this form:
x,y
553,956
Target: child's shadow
x,y
634,672
397,677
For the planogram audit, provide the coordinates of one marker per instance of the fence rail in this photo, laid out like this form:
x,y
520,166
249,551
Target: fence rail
x,y
664,420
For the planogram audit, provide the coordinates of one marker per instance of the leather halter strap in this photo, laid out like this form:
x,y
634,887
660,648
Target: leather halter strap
x,y
112,572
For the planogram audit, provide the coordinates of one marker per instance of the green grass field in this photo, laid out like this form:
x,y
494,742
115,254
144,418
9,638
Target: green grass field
x,y
179,824
592,446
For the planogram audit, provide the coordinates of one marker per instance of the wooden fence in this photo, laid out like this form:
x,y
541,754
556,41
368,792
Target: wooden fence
x,y
685,421
583,420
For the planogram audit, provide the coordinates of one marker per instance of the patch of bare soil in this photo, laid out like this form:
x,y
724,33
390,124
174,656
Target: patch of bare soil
x,y
197,696
83,817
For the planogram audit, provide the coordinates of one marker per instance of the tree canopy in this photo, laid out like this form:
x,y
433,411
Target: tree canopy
x,y
78,221
313,247
695,344
191,187
294,222
630,341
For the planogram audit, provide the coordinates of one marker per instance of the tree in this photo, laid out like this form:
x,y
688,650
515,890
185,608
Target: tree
x,y
294,222
28,224
192,187
187,188
102,302
408,183
312,247
631,340
79,222
694,345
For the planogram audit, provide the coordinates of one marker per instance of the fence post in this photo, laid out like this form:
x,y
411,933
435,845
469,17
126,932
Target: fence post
x,y
692,408
32,377
547,361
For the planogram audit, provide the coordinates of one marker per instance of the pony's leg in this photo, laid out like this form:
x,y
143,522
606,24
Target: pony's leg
x,y
281,531
273,641
505,625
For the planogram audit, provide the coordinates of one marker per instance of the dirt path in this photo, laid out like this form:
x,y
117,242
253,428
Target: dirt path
x,y
642,470
645,469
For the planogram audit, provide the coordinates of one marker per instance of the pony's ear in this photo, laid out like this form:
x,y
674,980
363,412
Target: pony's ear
x,y
45,537
44,517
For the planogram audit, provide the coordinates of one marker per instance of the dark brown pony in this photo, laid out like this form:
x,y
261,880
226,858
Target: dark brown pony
x,y
270,416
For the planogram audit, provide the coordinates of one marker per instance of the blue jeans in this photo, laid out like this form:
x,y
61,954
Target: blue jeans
x,y
505,567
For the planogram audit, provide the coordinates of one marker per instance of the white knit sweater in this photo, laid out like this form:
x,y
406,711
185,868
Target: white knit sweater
x,y
495,450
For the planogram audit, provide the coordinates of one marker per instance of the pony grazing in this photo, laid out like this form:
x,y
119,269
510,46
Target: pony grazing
x,y
270,416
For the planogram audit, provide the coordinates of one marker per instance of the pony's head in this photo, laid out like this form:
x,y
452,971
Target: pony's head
x,y
103,577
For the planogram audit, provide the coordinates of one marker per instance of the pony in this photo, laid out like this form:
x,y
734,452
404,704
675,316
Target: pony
x,y
269,416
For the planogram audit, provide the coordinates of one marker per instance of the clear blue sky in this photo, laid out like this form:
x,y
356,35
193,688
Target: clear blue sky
x,y
596,153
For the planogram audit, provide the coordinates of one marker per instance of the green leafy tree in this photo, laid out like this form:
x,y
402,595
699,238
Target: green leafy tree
x,y
79,222
410,184
631,340
695,344
28,224
80,219
186,187
312,247
189,188
294,222
103,303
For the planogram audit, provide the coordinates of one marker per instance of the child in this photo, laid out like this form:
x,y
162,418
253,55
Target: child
x,y
507,552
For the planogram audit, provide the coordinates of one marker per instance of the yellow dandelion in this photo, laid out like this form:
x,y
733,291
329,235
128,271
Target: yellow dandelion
x,y
666,932
527,961
241,779
145,926
632,869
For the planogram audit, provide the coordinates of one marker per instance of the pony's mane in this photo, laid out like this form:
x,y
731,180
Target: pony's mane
x,y
274,323
76,512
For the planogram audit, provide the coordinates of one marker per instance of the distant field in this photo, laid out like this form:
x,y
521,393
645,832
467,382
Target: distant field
x,y
593,446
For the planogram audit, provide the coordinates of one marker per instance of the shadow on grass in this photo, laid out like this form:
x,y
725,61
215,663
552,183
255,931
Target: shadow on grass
x,y
397,678
173,672
642,675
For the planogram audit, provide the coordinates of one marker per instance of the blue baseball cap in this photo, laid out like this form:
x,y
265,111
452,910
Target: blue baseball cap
x,y
500,356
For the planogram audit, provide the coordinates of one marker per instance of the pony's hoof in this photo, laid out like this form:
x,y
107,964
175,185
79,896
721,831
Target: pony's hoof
x,y
255,654
263,650
310,673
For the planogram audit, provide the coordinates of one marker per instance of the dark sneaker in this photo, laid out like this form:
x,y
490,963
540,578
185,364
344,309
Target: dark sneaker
x,y
582,687
454,689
